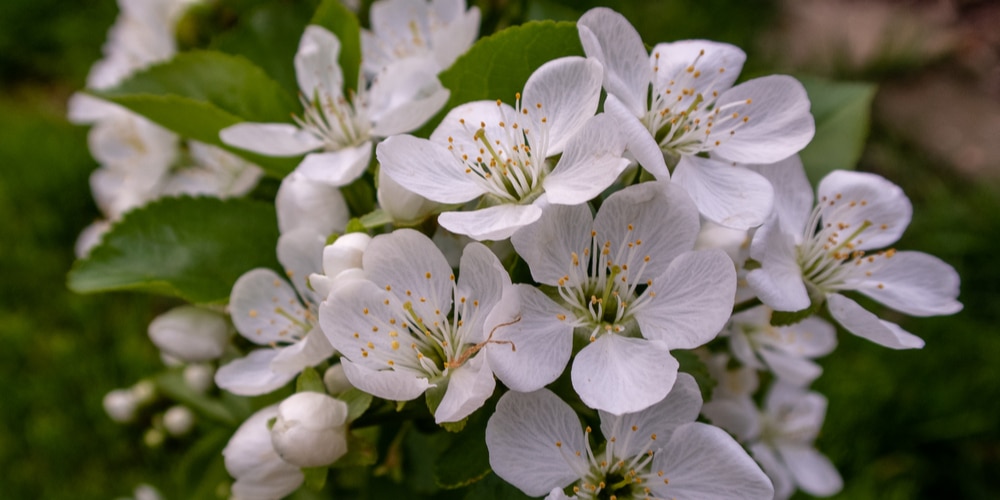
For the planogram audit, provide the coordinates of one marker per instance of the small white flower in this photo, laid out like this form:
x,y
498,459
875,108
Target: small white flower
x,y
178,420
120,405
401,97
310,430
813,255
410,325
250,459
439,30
499,154
629,283
786,351
535,443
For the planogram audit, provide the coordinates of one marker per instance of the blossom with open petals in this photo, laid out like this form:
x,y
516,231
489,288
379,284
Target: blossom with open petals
x,y
439,30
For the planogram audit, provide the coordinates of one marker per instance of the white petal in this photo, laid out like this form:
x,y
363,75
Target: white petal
x,y
810,338
726,194
812,472
548,244
261,305
336,168
799,413
793,194
252,375
251,460
567,89
272,139
302,203
405,207
533,352
532,438
640,143
385,384
608,37
778,282
453,40
592,161
426,168
702,462
410,263
737,415
654,219
719,64
348,316
693,300
856,198
310,351
494,223
775,470
790,368
866,325
316,66
482,279
300,252
632,432
779,121
405,95
915,283
469,386
623,375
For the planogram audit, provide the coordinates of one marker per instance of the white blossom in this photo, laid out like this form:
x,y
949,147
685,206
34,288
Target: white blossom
x,y
310,429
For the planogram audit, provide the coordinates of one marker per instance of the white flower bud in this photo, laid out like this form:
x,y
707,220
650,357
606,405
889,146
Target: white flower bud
x,y
153,438
310,429
147,492
178,420
732,241
405,207
341,261
120,405
199,377
335,380
190,333
144,392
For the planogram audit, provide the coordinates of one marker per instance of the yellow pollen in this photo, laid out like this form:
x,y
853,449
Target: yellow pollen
x,y
253,313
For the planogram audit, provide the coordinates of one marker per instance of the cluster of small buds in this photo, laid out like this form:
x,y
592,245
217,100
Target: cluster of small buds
x,y
567,253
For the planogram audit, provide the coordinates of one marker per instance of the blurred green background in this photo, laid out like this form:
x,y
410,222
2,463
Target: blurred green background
x,y
911,424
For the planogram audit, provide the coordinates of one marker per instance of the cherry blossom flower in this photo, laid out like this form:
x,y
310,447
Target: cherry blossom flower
x,y
401,97
811,256
250,458
630,285
535,443
410,326
439,30
499,154
786,351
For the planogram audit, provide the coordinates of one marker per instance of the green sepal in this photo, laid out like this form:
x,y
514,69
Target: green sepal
x,y
357,401
310,381
315,477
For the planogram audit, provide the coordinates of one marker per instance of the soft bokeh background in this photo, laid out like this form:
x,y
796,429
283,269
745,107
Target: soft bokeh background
x,y
911,424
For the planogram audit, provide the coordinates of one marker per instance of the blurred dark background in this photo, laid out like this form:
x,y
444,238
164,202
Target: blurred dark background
x,y
901,425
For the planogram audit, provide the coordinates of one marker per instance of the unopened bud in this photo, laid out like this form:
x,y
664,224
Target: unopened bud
x,y
405,207
190,333
144,392
199,377
120,405
310,429
178,420
335,380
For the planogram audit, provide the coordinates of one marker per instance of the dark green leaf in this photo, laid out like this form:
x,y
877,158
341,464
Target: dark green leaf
x,y
842,111
172,385
315,477
192,248
496,67
693,365
334,16
361,450
357,401
310,381
467,460
196,94
201,471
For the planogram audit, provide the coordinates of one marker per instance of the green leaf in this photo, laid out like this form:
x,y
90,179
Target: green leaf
x,y
192,248
467,460
357,401
315,477
310,381
268,35
196,94
201,470
843,112
172,385
497,66
693,365
361,450
334,16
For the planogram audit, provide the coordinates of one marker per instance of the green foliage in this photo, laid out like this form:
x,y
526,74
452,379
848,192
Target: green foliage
x,y
196,94
694,366
334,16
843,112
309,381
192,248
357,401
466,460
315,477
497,66
172,385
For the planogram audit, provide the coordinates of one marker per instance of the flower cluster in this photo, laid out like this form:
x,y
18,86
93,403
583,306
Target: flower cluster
x,y
570,241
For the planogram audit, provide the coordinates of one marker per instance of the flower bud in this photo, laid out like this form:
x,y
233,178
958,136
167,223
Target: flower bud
x,y
178,420
144,392
405,207
310,429
335,380
190,333
120,405
341,261
199,377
